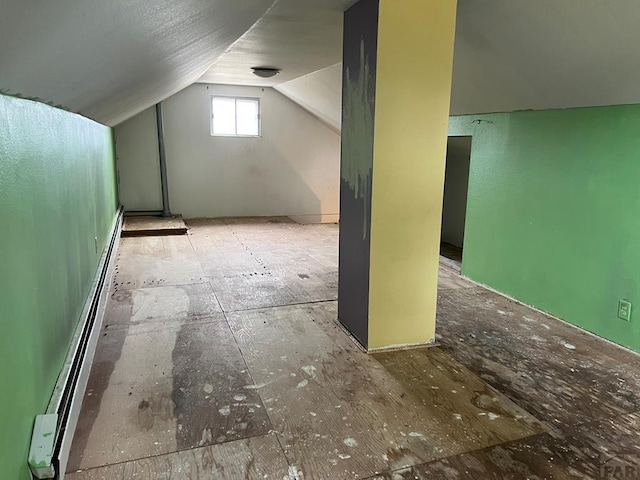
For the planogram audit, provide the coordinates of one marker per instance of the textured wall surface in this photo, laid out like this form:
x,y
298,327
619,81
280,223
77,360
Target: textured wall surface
x,y
57,191
553,212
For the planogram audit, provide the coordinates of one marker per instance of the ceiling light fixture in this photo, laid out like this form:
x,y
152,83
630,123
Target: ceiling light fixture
x,y
265,72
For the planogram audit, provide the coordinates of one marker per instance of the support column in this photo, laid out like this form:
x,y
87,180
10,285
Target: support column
x,y
397,64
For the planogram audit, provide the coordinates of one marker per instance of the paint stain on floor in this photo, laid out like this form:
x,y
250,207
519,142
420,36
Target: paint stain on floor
x,y
221,358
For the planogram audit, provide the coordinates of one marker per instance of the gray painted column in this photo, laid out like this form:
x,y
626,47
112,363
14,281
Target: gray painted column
x,y
358,113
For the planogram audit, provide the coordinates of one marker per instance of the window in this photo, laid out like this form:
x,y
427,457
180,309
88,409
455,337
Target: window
x,y
235,117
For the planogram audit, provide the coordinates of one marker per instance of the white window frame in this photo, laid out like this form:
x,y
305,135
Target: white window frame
x,y
236,135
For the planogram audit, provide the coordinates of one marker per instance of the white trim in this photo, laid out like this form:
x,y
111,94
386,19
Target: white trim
x,y
257,100
83,346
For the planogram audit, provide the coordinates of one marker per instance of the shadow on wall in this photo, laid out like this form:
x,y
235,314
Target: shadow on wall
x,y
456,184
298,189
139,163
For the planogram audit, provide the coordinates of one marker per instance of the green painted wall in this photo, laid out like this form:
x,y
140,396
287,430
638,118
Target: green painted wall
x,y
57,193
553,213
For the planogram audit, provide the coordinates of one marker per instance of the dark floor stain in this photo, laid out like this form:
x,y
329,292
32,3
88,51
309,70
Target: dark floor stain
x,y
107,354
523,354
210,394
451,251
303,275
599,450
145,415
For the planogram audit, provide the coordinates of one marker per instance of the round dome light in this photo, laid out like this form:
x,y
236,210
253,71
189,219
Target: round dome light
x,y
265,72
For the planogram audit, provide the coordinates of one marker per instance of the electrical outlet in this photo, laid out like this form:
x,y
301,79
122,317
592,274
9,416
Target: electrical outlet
x,y
624,310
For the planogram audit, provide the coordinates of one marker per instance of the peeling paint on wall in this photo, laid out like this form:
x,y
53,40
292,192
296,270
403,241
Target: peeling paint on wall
x,y
358,123
360,50
7,93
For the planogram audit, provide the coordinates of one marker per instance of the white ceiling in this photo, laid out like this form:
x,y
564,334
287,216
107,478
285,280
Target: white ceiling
x,y
296,36
522,54
320,93
110,59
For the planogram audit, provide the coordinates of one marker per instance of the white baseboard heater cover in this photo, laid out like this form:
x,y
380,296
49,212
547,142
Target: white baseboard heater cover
x,y
53,431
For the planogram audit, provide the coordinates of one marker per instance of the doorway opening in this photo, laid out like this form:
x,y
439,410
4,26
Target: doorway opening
x,y
454,207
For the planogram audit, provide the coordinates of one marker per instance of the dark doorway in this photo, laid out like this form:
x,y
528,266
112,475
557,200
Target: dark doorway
x,y
454,208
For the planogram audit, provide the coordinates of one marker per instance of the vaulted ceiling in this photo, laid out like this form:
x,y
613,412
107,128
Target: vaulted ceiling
x,y
525,55
296,36
111,59
522,54
319,92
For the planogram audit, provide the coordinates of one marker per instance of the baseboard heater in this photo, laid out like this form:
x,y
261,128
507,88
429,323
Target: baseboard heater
x,y
53,431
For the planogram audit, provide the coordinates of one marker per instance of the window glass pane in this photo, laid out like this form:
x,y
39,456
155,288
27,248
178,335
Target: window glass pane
x,y
224,116
248,113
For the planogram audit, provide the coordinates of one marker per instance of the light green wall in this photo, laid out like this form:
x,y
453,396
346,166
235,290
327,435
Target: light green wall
x,y
57,193
553,213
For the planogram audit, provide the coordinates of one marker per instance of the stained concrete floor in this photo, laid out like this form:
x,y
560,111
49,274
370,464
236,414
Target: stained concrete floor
x,y
220,358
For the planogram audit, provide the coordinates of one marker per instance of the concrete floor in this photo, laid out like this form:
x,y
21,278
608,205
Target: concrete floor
x,y
220,358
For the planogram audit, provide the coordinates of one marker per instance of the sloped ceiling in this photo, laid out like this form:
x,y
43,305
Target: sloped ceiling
x,y
110,59
320,93
296,36
522,54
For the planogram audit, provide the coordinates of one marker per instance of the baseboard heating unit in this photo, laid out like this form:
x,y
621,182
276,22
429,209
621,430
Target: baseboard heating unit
x,y
53,431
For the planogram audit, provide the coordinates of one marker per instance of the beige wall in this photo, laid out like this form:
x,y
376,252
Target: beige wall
x,y
291,170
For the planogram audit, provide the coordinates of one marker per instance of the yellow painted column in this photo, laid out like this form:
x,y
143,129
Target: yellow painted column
x,y
413,90
397,64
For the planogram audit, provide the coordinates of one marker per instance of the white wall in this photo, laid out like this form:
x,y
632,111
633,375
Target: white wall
x,y
293,169
138,163
456,183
